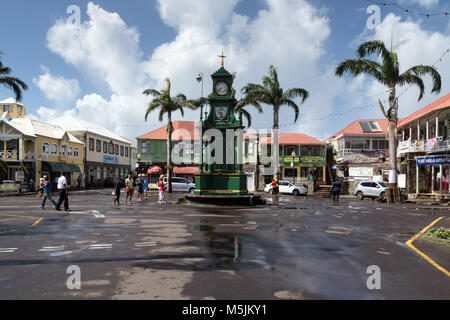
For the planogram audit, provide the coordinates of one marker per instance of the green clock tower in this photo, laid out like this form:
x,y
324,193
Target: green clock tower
x,y
221,169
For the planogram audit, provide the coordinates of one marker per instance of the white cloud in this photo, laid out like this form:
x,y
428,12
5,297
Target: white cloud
x,y
422,3
289,34
57,89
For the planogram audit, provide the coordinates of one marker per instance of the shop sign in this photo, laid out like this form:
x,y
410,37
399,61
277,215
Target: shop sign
x,y
436,160
360,171
111,159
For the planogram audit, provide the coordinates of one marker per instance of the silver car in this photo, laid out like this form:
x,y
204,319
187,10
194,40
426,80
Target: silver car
x,y
181,185
370,189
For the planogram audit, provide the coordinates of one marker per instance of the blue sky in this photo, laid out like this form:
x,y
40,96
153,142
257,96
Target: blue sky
x,y
79,72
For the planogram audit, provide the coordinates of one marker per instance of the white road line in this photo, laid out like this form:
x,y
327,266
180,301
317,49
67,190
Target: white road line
x,y
8,219
51,249
100,246
145,244
7,250
97,214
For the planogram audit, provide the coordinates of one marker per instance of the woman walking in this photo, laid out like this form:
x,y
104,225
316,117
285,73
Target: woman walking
x,y
117,186
162,190
140,187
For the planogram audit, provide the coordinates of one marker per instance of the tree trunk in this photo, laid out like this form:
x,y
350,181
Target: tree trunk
x,y
169,153
275,144
392,139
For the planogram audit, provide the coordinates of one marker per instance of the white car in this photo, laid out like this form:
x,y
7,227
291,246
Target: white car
x,y
287,188
181,185
370,189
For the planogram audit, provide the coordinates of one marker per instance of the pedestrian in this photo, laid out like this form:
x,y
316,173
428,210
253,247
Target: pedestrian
x,y
117,186
47,189
145,185
31,184
129,184
140,188
162,190
41,187
336,190
275,188
63,194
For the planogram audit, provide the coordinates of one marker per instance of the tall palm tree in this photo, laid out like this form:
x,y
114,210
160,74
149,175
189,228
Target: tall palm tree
x,y
239,106
167,105
15,84
270,93
387,72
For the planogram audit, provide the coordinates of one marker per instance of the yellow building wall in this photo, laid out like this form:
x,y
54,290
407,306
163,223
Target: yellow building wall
x,y
40,140
13,111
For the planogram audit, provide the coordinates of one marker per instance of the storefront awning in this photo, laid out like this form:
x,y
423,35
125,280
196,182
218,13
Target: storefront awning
x,y
59,167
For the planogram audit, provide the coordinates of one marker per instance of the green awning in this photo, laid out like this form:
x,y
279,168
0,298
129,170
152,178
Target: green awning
x,y
59,167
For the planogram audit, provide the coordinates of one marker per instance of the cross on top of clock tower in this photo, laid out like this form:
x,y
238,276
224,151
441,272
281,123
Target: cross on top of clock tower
x,y
222,57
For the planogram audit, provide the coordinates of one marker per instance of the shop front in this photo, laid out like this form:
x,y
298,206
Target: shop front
x,y
53,170
432,174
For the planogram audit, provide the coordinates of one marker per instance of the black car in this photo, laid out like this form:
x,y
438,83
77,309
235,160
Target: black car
x,y
109,183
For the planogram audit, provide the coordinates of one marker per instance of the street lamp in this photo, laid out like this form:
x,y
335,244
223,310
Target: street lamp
x,y
139,157
200,79
293,162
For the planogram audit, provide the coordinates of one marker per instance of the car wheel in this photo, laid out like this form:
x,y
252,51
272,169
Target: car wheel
x,y
191,190
382,195
296,193
360,195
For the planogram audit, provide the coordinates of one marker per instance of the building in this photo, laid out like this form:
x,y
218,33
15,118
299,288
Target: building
x,y
424,144
152,151
32,149
300,157
106,154
133,154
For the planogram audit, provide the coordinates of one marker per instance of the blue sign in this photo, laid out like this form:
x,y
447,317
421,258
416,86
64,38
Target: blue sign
x,y
436,160
111,159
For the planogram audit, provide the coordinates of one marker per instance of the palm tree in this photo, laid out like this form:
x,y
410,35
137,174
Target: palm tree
x,y
167,105
239,106
387,72
270,93
15,84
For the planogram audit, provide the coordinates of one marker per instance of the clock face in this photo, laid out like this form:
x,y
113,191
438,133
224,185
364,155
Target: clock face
x,y
221,88
221,113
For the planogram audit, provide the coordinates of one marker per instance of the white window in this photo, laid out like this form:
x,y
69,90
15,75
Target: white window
x,y
19,110
45,148
98,173
76,153
54,149
70,152
63,150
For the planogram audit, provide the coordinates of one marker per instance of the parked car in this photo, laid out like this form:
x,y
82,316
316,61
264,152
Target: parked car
x,y
370,189
181,185
287,188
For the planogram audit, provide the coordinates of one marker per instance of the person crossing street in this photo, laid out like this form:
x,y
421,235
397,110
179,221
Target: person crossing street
x,y
63,194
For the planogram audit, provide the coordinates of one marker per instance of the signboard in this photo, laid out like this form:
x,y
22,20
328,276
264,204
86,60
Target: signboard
x,y
19,175
360,171
431,143
402,181
418,146
436,160
111,159
404,146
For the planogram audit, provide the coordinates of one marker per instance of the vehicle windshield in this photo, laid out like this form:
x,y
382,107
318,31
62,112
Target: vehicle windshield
x,y
383,184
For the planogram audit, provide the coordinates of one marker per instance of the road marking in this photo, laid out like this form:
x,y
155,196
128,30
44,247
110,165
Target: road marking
x,y
423,255
38,221
7,250
97,214
145,244
100,246
50,249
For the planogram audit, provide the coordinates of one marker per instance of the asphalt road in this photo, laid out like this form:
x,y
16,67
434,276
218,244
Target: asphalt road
x,y
302,248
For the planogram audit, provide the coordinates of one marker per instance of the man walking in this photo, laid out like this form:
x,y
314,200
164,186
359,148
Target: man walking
x,y
336,190
47,189
129,184
63,194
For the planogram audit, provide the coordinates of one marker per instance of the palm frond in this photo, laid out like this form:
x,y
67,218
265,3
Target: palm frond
x,y
409,78
296,93
421,71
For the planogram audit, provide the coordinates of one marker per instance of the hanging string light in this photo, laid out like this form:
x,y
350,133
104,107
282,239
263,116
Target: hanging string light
x,y
408,10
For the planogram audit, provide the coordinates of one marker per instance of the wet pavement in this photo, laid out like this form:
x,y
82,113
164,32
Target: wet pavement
x,y
301,248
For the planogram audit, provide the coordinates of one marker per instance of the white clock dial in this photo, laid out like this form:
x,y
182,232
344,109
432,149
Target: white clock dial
x,y
221,88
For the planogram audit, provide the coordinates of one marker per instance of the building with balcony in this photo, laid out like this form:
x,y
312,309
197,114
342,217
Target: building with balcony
x,y
424,142
106,154
300,157
31,149
361,151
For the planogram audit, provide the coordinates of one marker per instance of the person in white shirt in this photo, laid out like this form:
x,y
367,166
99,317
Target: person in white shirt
x,y
63,194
